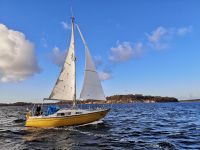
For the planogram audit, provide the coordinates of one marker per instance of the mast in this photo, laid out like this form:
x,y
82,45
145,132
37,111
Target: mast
x,y
74,59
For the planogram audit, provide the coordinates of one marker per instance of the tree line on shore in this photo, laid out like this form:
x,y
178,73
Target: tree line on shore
x,y
129,98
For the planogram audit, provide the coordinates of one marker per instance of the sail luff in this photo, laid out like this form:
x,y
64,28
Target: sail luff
x,y
92,88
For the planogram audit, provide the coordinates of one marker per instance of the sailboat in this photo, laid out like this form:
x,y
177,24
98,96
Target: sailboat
x,y
65,90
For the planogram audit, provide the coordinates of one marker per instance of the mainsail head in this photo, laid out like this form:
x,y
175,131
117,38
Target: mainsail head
x,y
92,88
65,87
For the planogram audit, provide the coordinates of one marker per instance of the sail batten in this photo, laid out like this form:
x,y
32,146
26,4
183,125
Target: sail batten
x,y
92,88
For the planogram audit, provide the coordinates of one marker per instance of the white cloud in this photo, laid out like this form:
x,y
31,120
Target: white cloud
x,y
44,42
98,61
103,75
122,52
184,30
58,56
160,37
65,25
138,48
17,56
125,51
157,34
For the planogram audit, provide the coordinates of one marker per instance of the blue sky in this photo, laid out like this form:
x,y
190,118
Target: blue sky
x,y
140,46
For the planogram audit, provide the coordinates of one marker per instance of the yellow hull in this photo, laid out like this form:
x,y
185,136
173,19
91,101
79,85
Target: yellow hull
x,y
66,120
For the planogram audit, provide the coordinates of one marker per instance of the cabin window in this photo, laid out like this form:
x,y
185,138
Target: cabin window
x,y
78,112
64,114
68,113
60,114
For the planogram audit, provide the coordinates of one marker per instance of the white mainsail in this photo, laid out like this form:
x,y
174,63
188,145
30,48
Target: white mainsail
x,y
92,88
65,87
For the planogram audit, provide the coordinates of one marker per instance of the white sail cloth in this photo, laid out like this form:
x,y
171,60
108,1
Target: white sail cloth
x,y
65,87
92,88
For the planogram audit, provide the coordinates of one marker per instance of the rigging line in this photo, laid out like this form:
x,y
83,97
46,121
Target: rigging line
x,y
71,11
84,42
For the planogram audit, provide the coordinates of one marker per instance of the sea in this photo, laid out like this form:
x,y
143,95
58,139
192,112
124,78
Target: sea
x,y
135,126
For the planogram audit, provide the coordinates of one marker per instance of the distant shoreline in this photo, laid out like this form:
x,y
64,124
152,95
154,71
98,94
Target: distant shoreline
x,y
115,99
192,100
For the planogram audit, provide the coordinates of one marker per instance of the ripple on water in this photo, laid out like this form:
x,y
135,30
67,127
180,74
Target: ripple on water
x,y
128,126
166,145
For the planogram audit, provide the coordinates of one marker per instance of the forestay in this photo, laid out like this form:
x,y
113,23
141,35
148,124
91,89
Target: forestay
x,y
92,88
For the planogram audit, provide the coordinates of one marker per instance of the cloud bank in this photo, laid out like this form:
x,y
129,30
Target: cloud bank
x,y
17,56
160,37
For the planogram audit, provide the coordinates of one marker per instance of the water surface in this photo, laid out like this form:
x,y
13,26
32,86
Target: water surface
x,y
158,126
